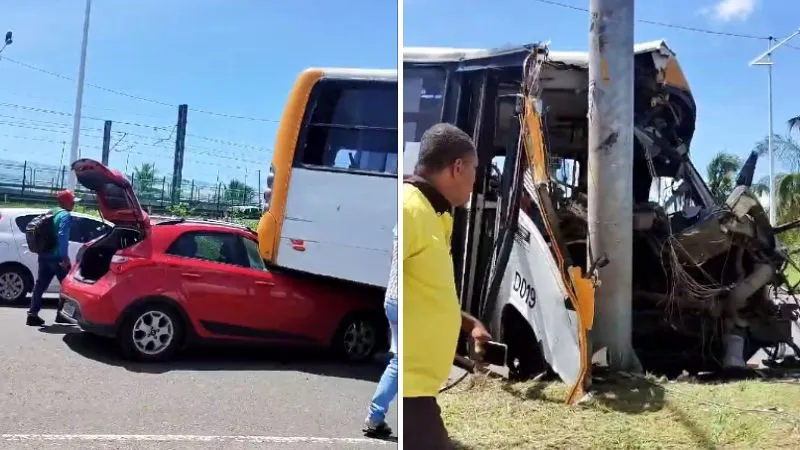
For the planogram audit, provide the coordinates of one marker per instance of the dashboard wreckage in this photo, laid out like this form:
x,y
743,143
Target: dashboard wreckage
x,y
706,275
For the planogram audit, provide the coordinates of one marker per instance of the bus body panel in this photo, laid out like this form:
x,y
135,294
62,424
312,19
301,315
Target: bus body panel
x,y
317,220
533,285
349,238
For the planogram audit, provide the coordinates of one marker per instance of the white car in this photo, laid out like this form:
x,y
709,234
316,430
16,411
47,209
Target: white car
x,y
18,266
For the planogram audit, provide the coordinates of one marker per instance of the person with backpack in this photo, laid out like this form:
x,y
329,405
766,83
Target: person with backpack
x,y
48,235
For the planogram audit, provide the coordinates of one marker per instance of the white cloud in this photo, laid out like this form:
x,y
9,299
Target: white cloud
x,y
731,10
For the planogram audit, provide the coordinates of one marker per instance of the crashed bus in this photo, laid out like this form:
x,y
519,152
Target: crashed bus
x,y
703,272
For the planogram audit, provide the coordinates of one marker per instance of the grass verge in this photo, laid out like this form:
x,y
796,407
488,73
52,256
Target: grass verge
x,y
492,414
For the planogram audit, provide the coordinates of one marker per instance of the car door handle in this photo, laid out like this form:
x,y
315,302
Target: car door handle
x,y
265,283
190,275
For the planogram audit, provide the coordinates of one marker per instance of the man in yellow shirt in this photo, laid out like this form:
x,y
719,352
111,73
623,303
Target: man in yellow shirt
x,y
432,317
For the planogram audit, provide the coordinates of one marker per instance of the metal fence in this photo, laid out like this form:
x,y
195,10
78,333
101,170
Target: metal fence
x,y
36,183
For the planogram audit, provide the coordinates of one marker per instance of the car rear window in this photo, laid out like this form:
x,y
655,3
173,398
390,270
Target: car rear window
x,y
23,221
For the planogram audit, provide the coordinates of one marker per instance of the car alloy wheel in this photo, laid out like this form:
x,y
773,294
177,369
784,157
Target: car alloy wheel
x,y
359,339
12,285
153,332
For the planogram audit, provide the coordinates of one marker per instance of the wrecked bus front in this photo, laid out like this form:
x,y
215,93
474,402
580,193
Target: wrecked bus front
x,y
519,247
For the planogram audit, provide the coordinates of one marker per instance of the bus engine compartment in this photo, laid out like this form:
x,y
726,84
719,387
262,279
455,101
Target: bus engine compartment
x,y
708,287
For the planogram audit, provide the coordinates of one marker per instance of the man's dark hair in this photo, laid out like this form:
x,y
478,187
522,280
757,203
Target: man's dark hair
x,y
441,145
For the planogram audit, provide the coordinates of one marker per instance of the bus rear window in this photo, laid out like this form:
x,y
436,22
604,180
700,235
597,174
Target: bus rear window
x,y
352,126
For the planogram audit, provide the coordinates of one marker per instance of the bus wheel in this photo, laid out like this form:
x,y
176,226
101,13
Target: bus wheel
x,y
524,358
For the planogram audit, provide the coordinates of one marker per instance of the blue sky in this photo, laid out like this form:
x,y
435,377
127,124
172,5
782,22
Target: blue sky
x,y
731,96
235,57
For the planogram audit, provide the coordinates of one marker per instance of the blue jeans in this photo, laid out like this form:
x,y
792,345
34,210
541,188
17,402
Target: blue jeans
x,y
387,386
49,267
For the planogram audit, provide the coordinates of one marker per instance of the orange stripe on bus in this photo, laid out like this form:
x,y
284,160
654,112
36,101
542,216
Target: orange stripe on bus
x,y
269,227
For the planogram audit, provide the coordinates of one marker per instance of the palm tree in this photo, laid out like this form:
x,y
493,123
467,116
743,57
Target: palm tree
x,y
238,193
786,149
144,178
787,184
794,124
721,172
788,195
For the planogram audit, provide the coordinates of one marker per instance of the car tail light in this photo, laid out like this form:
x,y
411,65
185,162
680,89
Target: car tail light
x,y
120,263
117,259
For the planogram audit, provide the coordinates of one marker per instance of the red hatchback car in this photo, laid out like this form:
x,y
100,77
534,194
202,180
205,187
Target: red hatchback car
x,y
155,287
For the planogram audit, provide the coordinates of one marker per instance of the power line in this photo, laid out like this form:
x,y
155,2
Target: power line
x,y
156,145
230,143
158,140
135,124
49,130
206,163
66,114
137,97
127,133
29,138
662,24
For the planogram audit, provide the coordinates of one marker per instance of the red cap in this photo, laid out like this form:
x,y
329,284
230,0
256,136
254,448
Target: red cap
x,y
65,197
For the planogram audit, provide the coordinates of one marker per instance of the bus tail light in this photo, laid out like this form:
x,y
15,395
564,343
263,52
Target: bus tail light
x,y
270,180
271,176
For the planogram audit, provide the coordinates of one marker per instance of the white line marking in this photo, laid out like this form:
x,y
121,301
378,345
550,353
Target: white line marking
x,y
189,438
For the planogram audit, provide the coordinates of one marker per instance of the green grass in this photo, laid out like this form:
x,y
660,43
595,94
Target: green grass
x,y
491,414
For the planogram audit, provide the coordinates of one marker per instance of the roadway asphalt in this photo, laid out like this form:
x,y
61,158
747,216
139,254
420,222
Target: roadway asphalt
x,y
65,389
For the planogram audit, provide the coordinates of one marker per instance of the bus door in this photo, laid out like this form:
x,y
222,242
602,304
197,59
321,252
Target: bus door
x,y
443,92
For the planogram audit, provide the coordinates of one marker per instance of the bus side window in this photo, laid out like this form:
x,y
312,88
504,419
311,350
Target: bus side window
x,y
353,126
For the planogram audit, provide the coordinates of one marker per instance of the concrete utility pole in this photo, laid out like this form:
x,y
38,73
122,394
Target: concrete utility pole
x,y
180,144
106,141
76,123
610,177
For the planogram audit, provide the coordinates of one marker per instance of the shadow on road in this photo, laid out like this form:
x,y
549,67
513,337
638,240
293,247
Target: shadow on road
x,y
59,329
221,358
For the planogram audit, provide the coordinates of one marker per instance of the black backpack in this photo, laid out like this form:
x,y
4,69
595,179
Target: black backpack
x,y
40,234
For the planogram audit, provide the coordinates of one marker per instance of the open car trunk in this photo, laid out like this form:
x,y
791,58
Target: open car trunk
x,y
118,204
94,261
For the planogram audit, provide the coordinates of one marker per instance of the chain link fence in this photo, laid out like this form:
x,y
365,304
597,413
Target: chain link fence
x,y
30,182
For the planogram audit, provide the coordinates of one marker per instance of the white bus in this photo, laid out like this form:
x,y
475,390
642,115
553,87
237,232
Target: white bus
x,y
332,186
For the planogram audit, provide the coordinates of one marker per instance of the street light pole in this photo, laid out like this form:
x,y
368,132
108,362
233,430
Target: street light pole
x,y
770,152
76,123
765,59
